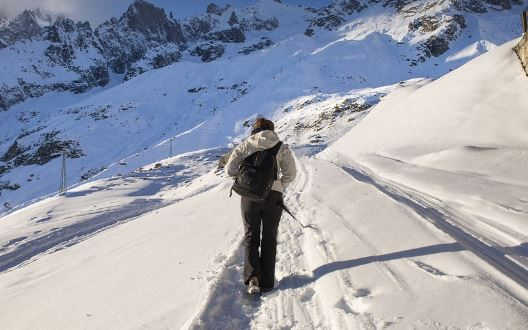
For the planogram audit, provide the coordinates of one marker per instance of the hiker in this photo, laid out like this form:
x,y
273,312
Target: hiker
x,y
259,270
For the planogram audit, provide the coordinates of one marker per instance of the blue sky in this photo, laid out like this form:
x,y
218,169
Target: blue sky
x,y
97,11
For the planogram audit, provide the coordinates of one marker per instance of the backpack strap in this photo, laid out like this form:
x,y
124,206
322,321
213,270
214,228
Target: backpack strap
x,y
275,148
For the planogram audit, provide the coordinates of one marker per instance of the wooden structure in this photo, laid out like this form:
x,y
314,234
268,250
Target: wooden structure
x,y
524,17
522,48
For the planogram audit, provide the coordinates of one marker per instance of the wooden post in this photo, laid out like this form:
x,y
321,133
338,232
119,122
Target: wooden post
x,y
63,185
525,21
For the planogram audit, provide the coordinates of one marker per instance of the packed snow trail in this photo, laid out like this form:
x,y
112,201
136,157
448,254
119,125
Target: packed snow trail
x,y
368,261
511,261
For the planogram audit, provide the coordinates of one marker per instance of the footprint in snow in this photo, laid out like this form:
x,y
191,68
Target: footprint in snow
x,y
361,292
307,295
342,305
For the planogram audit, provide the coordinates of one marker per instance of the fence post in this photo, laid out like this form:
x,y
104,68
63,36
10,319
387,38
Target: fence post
x,y
525,21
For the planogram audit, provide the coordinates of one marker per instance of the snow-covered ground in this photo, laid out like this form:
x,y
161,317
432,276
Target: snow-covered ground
x,y
416,218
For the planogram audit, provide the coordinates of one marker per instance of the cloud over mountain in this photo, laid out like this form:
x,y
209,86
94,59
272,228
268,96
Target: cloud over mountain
x,y
97,11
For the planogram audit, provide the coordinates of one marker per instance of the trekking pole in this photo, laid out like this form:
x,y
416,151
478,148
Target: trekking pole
x,y
281,204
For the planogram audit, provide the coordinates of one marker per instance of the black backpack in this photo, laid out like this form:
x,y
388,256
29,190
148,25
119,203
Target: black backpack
x,y
257,173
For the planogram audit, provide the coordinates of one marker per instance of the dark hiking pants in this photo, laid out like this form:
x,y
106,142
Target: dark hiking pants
x,y
256,215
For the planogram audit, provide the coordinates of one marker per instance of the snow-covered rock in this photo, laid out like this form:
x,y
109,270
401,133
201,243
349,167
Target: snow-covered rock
x,y
65,56
522,51
142,28
430,27
27,25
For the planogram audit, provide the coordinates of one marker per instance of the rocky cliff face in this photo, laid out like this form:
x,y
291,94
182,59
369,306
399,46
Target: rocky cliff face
x,y
433,24
142,29
220,26
27,25
64,55
60,57
522,51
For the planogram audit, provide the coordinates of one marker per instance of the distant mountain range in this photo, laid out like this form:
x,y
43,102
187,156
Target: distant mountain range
x,y
121,89
61,54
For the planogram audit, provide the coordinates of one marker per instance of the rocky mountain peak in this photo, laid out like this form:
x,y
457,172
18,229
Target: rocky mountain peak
x,y
26,25
144,17
483,6
43,18
3,18
141,28
216,10
66,31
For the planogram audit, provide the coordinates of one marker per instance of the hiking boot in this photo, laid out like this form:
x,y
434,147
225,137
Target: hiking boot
x,y
253,286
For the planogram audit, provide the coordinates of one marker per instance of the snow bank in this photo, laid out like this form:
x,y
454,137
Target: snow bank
x,y
459,145
473,119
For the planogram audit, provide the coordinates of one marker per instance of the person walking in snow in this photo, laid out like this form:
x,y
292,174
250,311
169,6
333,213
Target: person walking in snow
x,y
259,269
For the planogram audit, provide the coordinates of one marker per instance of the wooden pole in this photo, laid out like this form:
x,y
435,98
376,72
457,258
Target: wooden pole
x,y
170,152
525,21
63,185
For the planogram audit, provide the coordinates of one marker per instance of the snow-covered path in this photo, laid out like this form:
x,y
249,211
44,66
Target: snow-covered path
x,y
370,259
371,256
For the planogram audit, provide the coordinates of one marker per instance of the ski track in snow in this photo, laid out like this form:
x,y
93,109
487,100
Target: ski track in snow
x,y
299,301
296,301
293,303
510,261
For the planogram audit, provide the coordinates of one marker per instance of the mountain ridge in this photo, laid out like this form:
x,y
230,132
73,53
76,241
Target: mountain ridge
x,y
141,39
62,93
145,38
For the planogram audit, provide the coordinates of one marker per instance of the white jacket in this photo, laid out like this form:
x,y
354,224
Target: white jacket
x,y
260,141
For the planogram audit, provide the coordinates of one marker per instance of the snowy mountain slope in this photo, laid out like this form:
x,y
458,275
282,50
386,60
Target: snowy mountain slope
x,y
475,174
142,191
64,56
436,33
141,39
387,243
265,74
145,38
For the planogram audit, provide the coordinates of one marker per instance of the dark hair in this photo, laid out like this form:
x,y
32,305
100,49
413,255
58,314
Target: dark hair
x,y
262,124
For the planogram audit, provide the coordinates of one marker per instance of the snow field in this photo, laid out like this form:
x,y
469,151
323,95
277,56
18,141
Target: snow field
x,y
416,218
143,273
